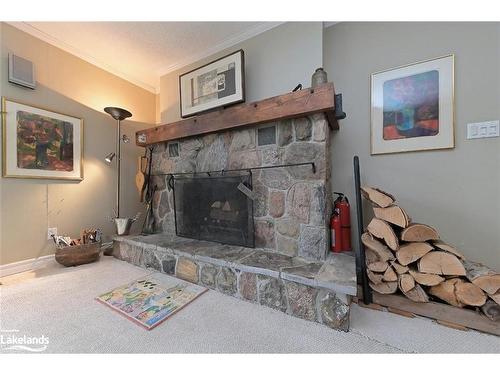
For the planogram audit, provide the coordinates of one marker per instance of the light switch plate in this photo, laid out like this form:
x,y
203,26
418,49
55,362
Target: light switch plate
x,y
487,129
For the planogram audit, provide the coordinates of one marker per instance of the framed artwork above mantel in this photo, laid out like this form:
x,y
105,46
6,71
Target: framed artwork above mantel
x,y
412,107
40,143
216,84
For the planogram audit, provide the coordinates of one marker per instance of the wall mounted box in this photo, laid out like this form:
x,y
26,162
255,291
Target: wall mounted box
x,y
21,72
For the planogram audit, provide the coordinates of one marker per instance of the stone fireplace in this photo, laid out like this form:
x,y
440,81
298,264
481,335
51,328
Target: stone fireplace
x,y
256,226
290,204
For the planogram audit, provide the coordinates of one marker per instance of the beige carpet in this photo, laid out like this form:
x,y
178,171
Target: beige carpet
x,y
59,303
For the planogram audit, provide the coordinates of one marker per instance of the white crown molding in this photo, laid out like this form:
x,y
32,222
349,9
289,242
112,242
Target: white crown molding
x,y
210,50
25,265
229,42
327,24
37,33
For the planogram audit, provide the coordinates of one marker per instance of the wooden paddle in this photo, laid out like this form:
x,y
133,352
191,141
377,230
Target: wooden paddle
x,y
139,176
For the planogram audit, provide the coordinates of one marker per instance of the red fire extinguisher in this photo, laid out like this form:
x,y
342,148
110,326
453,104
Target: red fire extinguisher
x,y
341,224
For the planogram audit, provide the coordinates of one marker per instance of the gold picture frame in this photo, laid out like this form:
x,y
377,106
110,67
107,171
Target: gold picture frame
x,y
40,143
412,107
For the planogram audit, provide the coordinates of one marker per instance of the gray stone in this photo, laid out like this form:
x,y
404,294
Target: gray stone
x,y
213,156
333,312
243,140
318,206
285,133
320,129
271,155
248,286
224,253
302,152
312,242
264,234
168,264
168,224
260,206
226,281
276,178
185,166
208,275
303,129
302,300
287,245
188,149
243,159
288,226
130,253
164,206
307,271
272,293
149,260
299,201
339,274
159,181
270,261
276,204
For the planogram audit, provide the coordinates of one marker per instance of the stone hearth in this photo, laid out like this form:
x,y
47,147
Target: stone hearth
x,y
318,291
290,208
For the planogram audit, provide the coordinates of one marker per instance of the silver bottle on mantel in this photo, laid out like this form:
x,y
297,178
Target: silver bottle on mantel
x,y
319,77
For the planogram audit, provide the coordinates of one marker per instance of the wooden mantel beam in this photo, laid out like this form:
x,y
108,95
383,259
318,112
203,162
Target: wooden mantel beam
x,y
301,103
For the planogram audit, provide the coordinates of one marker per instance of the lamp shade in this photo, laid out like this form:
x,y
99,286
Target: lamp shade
x,y
109,158
118,113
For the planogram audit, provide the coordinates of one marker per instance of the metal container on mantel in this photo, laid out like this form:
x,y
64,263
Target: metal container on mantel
x,y
319,77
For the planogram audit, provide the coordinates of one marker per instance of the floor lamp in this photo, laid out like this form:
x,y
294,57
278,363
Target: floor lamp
x,y
118,114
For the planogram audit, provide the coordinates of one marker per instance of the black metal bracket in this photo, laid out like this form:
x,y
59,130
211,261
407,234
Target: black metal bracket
x,y
339,113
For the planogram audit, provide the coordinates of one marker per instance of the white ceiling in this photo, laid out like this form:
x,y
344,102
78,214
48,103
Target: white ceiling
x,y
141,52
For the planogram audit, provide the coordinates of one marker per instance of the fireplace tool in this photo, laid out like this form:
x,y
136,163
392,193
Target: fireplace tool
x,y
149,220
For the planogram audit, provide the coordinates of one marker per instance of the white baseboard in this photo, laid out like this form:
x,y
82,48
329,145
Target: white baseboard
x,y
24,265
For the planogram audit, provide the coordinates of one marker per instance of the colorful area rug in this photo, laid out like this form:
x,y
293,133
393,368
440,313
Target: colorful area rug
x,y
151,300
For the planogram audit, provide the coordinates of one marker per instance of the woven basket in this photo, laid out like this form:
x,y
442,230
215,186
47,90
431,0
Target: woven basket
x,y
76,255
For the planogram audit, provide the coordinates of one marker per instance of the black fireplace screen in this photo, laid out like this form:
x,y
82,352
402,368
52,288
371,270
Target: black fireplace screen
x,y
214,208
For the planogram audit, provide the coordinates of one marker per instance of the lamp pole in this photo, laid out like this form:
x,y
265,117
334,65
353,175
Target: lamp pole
x,y
118,114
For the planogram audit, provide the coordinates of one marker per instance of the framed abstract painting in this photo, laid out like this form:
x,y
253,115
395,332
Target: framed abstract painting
x,y
217,84
39,143
412,107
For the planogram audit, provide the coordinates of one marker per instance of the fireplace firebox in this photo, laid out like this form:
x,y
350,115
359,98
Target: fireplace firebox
x,y
214,207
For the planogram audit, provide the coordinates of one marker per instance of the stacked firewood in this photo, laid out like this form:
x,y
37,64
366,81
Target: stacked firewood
x,y
411,258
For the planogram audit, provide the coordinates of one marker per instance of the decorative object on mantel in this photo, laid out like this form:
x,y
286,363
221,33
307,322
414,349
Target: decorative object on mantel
x,y
216,84
83,250
411,257
319,77
122,225
412,107
288,106
39,143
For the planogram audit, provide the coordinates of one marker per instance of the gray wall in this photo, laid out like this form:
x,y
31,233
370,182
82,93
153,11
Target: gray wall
x,y
275,62
457,191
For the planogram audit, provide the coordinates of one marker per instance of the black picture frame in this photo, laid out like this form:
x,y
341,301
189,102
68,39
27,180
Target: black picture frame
x,y
230,85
